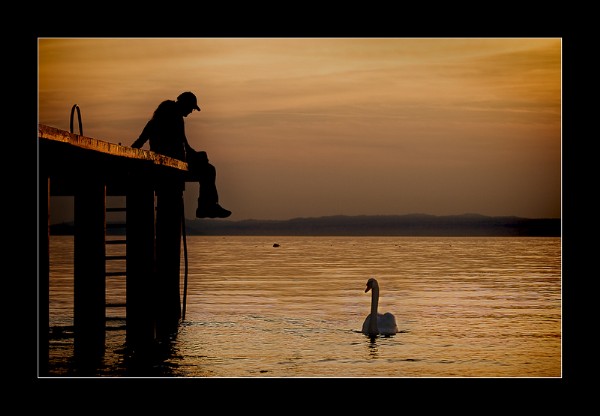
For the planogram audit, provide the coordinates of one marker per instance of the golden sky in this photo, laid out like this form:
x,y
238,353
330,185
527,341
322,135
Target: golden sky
x,y
303,127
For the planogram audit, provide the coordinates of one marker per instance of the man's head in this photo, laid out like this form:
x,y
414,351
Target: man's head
x,y
188,102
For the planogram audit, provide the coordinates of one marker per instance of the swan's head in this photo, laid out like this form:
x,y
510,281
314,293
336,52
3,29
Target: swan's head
x,y
371,283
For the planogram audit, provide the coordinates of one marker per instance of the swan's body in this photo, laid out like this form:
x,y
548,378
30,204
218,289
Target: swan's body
x,y
385,324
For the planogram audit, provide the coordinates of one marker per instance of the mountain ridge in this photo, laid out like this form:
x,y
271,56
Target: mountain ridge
x,y
402,225
416,224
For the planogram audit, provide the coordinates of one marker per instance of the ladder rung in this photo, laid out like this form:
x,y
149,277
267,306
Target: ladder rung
x,y
115,305
116,241
118,327
116,209
116,257
116,274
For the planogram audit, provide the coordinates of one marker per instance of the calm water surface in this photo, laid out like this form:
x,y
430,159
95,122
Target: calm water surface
x,y
465,307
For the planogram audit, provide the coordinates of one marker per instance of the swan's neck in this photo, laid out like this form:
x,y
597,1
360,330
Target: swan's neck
x,y
373,329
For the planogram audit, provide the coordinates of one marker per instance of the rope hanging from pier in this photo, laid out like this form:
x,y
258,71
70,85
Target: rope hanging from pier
x,y
185,259
76,107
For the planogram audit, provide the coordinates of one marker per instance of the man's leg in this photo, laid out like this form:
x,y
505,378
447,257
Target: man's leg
x,y
208,199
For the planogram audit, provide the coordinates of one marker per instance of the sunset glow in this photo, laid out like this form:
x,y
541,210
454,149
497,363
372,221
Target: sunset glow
x,y
302,127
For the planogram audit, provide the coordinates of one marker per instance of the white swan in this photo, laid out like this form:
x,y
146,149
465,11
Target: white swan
x,y
385,324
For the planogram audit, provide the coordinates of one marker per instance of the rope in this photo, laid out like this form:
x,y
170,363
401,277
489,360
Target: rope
x,y
185,259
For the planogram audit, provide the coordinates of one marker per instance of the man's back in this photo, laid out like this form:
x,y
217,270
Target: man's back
x,y
166,131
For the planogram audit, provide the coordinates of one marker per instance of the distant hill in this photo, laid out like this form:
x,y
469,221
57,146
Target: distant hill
x,y
383,225
372,225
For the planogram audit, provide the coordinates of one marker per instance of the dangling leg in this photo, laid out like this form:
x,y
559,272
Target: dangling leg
x,y
208,199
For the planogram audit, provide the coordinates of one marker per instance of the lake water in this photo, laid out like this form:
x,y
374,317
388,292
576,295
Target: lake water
x,y
465,307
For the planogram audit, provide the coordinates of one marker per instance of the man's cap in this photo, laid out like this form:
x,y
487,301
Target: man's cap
x,y
189,98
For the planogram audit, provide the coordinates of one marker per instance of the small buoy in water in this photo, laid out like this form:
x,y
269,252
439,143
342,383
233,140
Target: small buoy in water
x,y
275,245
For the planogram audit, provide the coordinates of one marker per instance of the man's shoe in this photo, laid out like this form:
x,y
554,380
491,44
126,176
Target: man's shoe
x,y
213,211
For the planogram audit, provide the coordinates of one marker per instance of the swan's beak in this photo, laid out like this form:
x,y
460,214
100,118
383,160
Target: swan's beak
x,y
368,288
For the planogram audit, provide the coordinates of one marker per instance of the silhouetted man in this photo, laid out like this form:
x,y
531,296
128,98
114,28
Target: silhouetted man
x,y
166,134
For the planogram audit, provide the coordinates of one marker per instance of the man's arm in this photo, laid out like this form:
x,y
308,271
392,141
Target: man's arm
x,y
144,136
139,143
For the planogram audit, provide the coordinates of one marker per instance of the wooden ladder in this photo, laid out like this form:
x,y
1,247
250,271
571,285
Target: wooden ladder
x,y
116,270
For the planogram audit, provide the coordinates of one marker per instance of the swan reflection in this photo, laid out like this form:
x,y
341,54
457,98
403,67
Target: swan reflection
x,y
372,347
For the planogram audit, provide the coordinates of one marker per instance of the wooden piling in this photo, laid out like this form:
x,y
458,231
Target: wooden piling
x,y
169,200
140,265
44,275
89,269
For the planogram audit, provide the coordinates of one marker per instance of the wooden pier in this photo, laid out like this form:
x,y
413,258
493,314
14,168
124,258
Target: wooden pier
x,y
90,170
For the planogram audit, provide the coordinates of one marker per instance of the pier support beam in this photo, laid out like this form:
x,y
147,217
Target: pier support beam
x,y
44,275
169,200
140,266
89,271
